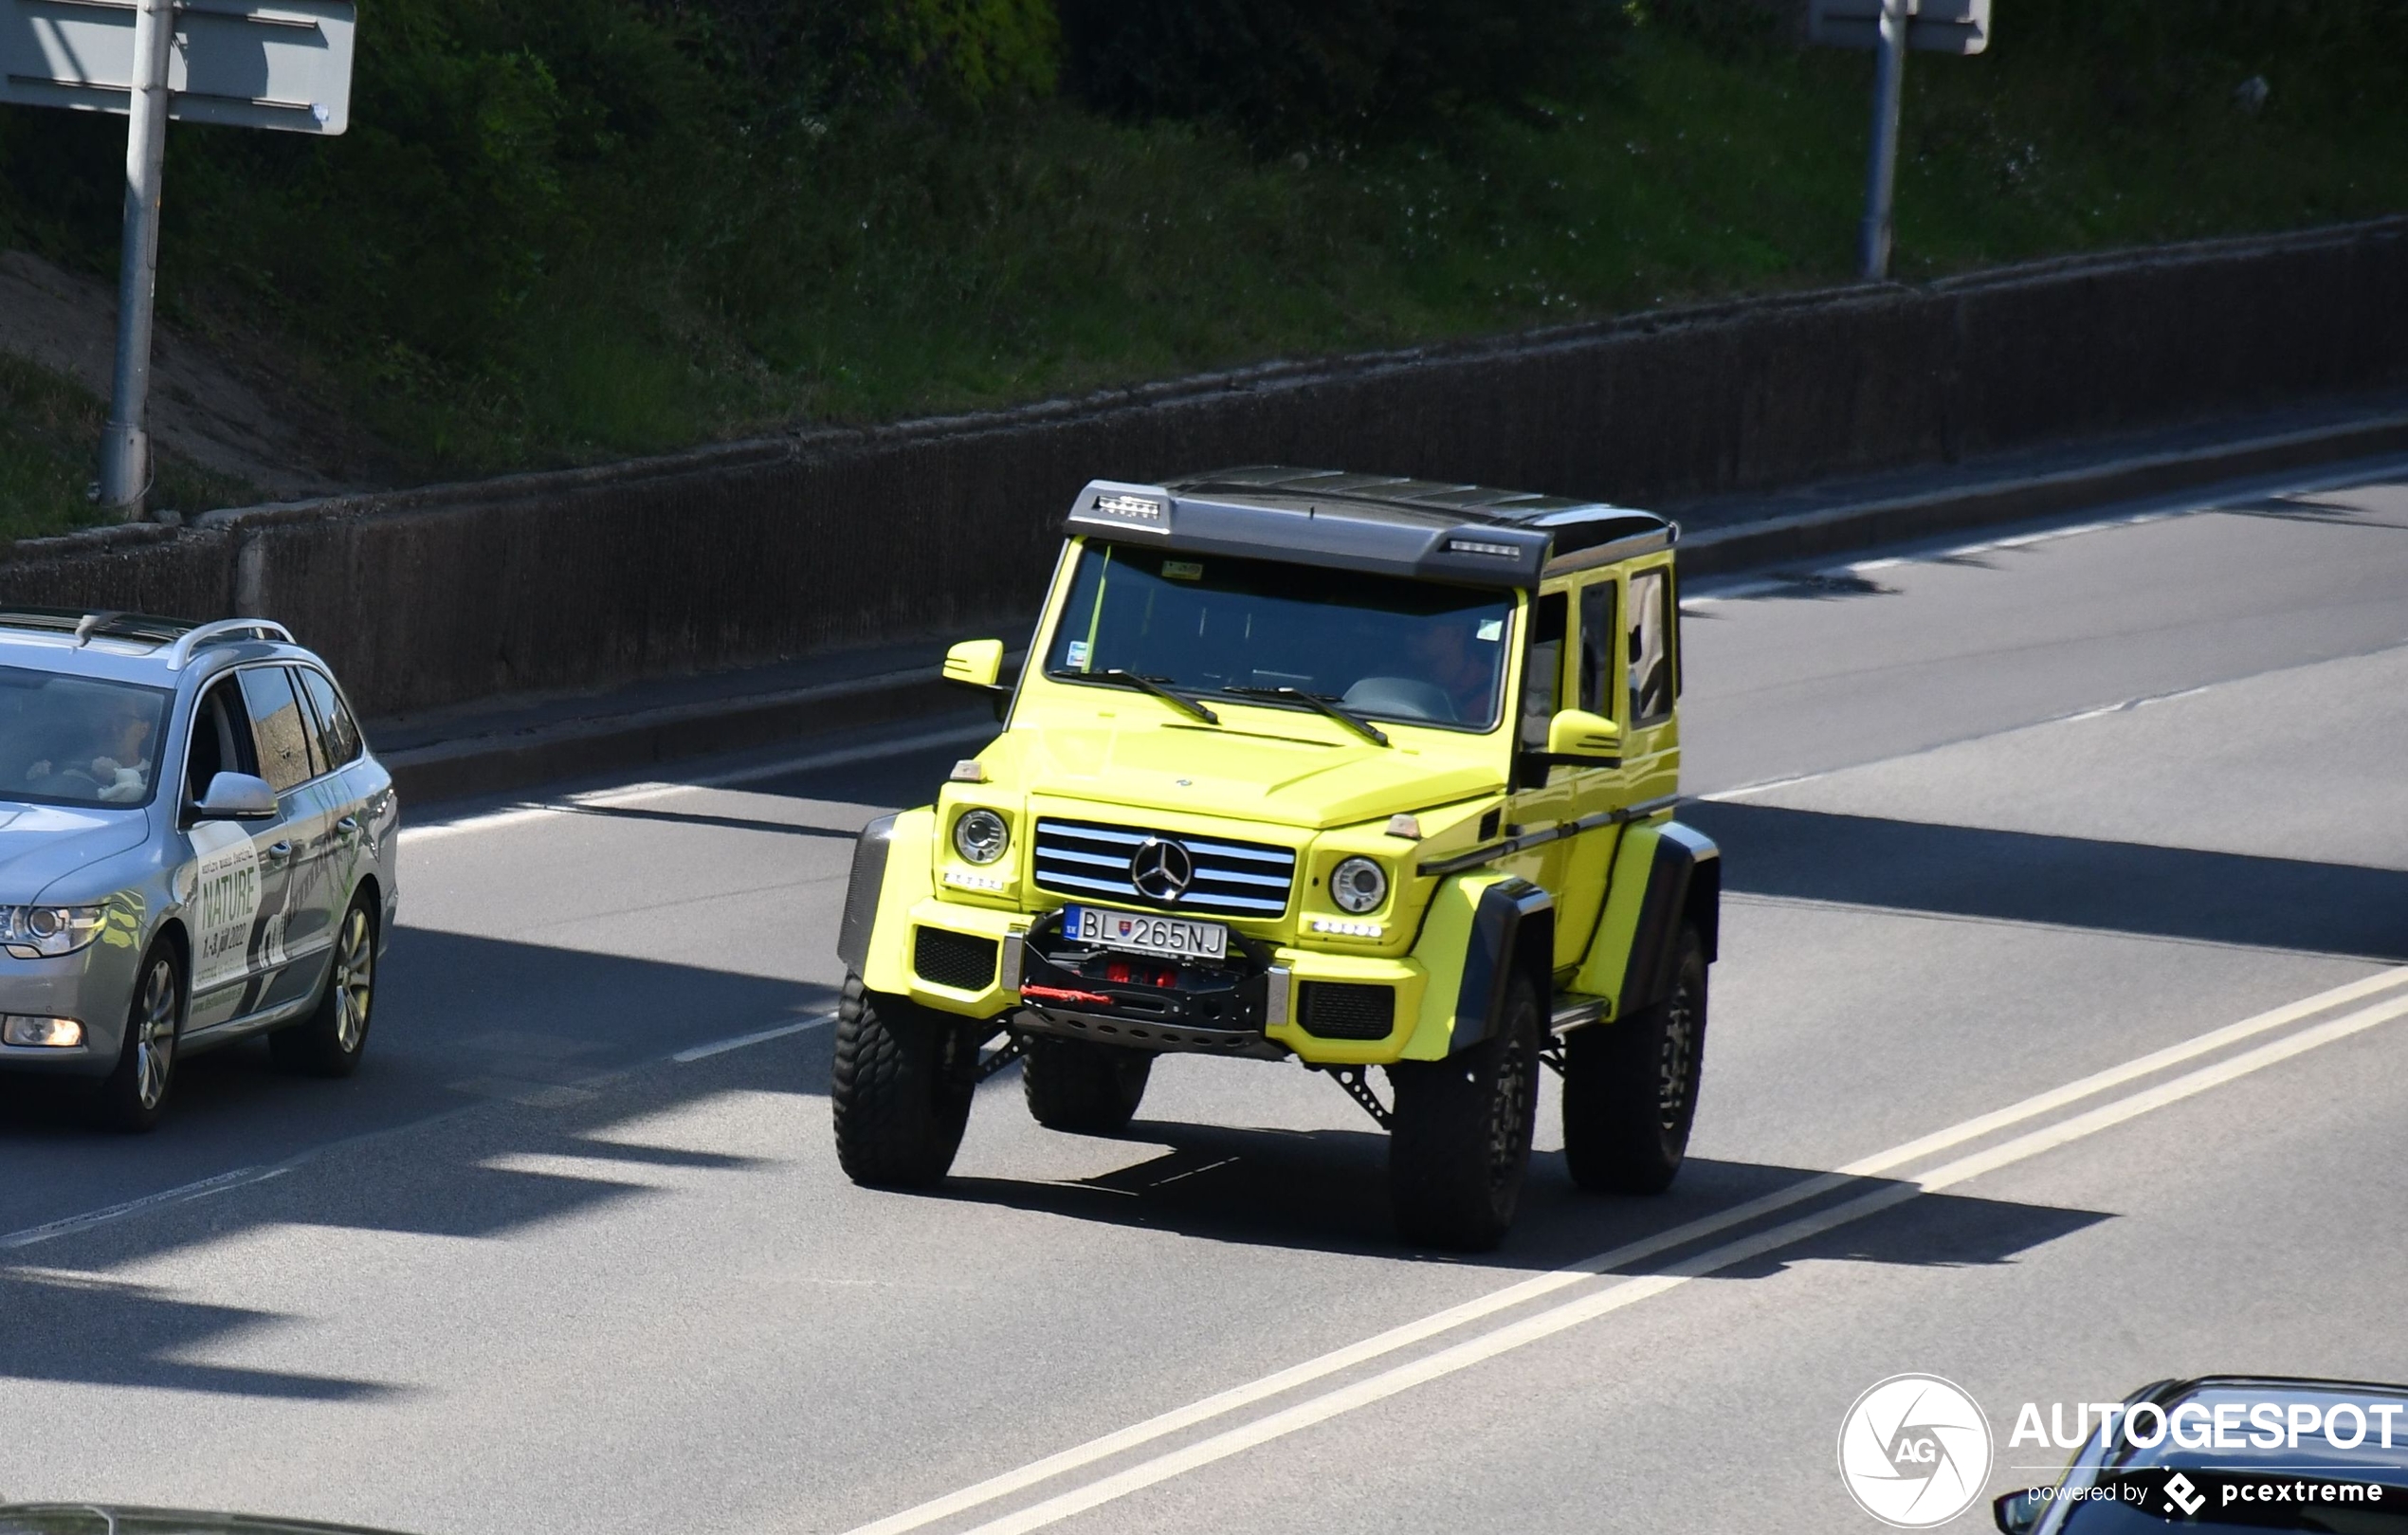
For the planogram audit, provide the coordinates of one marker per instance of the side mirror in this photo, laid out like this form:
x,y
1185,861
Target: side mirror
x,y
2018,1513
236,796
1579,735
974,664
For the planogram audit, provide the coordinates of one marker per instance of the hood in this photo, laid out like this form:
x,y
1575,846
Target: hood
x,y
39,843
1243,775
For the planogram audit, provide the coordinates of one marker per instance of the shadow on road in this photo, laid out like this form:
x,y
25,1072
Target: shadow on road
x,y
2064,882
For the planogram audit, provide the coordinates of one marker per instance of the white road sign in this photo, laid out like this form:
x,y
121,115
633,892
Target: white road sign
x,y
248,64
1961,26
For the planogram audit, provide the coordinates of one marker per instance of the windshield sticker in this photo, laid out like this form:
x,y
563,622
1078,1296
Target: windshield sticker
x,y
1491,630
1076,656
1182,570
224,900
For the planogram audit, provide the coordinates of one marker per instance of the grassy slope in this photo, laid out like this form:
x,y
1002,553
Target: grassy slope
x,y
882,269
49,437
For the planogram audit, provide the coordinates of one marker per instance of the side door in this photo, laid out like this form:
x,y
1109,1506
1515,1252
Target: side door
x,y
224,887
346,786
1597,787
296,921
1544,795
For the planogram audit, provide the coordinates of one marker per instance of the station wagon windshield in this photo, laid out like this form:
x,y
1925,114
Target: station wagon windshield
x,y
77,740
1376,645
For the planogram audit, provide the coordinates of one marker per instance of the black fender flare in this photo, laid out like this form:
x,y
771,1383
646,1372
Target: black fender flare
x,y
1512,933
860,896
1684,884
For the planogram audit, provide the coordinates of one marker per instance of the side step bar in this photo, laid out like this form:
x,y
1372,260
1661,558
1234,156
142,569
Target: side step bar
x,y
1572,1011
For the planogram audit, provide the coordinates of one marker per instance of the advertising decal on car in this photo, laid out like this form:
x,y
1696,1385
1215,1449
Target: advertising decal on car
x,y
224,898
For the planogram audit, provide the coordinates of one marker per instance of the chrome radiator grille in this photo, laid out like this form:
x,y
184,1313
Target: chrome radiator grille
x,y
1231,879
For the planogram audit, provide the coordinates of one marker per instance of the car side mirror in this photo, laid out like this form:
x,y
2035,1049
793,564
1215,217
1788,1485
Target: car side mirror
x,y
2018,1513
236,796
1578,735
976,664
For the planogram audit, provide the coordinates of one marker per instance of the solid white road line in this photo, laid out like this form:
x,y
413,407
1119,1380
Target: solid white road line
x,y
1547,1324
721,1047
1512,1295
90,1219
634,794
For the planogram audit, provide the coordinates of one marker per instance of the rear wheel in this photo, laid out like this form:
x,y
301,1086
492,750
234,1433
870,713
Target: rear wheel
x,y
132,1096
1083,1087
901,1088
1630,1087
1460,1141
330,1041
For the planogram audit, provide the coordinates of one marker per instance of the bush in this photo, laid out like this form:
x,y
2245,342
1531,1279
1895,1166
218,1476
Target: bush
x,y
1285,71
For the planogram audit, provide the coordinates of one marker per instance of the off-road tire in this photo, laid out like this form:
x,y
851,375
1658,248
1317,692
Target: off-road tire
x,y
331,1040
901,1088
132,1097
1630,1086
1083,1087
1459,1143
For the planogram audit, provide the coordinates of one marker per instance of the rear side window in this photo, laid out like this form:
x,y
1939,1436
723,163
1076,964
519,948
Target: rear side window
x,y
1651,647
281,729
338,733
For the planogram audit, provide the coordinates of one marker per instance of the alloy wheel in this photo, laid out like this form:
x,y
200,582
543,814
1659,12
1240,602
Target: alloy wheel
x,y
154,1033
355,981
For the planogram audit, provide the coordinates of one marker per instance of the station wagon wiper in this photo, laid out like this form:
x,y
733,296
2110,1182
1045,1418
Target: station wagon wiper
x,y
1154,686
1354,723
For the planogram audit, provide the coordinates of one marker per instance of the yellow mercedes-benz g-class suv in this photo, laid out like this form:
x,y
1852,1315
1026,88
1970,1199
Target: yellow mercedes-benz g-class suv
x,y
1350,769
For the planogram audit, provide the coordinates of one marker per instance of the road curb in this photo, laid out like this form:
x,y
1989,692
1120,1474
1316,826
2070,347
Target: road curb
x,y
498,761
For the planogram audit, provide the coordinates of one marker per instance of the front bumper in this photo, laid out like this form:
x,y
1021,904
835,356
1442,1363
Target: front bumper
x,y
94,986
1246,1007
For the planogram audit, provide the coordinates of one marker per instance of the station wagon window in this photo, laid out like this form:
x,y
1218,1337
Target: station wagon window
x,y
1422,653
281,729
1596,648
77,740
1651,647
221,738
339,740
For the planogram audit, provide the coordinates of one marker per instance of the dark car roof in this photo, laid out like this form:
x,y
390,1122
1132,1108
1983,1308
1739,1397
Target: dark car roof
x,y
1424,528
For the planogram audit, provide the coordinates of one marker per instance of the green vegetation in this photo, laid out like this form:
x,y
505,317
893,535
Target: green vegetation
x,y
49,436
584,229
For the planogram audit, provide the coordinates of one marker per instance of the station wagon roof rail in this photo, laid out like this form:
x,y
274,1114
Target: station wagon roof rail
x,y
85,625
223,632
1421,528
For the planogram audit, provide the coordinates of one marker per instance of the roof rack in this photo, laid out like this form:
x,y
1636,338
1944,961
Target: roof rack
x,y
224,628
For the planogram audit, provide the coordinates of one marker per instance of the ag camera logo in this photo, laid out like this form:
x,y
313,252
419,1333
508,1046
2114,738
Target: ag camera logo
x,y
1914,1450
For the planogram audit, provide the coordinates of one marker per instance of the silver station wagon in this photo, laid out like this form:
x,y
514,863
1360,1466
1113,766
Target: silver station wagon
x,y
196,847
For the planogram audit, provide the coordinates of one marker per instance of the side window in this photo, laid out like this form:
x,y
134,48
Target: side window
x,y
278,721
338,733
1597,646
1542,668
1651,647
221,738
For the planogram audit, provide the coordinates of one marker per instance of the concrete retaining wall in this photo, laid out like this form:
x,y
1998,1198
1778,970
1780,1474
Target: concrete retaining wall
x,y
759,550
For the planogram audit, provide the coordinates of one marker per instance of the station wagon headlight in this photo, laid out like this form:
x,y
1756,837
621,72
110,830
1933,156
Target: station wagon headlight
x,y
49,931
1358,885
980,837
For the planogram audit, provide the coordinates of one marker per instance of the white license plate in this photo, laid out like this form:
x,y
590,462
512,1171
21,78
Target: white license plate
x,y
1166,938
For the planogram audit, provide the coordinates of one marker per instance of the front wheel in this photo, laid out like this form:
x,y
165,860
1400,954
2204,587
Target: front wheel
x,y
1461,1141
132,1096
330,1041
1630,1086
1084,1087
900,1088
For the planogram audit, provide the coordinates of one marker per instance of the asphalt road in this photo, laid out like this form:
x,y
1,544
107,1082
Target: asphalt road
x,y
572,1251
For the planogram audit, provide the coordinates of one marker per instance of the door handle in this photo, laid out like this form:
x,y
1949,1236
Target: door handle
x,y
347,828
279,851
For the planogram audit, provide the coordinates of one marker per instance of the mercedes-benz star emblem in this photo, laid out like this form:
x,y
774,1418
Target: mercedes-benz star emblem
x,y
1161,869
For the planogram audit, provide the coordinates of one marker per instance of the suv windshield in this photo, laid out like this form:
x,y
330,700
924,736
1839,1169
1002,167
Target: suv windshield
x,y
75,740
1418,651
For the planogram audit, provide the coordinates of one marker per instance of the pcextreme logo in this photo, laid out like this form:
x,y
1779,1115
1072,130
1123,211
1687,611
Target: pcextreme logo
x,y
1914,1450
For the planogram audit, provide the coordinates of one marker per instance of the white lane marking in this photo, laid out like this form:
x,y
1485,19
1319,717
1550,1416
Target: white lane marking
x,y
1516,1294
71,1224
721,1047
637,793
1570,1314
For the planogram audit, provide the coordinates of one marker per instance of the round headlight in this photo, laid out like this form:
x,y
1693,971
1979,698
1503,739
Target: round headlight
x,y
44,921
980,837
1358,885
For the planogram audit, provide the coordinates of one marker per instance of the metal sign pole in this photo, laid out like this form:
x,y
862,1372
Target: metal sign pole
x,y
125,442
1881,173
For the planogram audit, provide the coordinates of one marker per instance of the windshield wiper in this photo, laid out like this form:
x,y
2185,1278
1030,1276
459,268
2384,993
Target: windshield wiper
x,y
1150,684
1354,723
